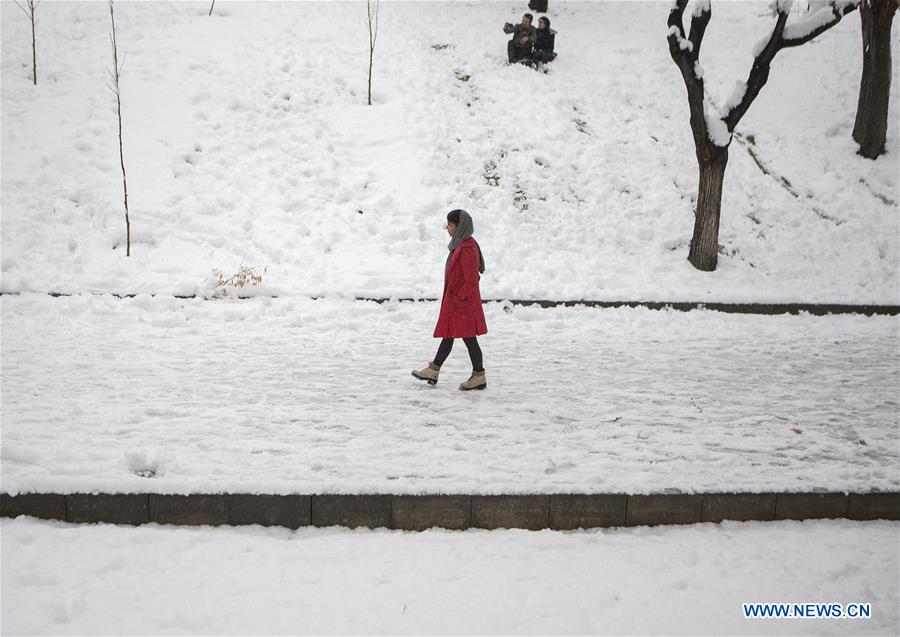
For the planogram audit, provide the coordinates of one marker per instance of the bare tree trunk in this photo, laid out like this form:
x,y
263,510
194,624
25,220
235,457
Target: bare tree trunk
x,y
870,130
370,77
33,45
372,7
704,253
29,10
124,179
114,73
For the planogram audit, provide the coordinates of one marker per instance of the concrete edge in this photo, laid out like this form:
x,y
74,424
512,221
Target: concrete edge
x,y
458,512
816,309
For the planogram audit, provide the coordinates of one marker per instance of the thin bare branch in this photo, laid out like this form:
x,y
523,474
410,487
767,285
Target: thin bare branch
x,y
375,32
115,78
373,36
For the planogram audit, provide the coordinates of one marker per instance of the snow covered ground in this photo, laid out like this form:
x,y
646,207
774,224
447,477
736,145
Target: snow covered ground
x,y
107,580
248,140
293,395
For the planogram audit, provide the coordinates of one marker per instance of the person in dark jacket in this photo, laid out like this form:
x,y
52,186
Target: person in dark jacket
x,y
524,36
544,42
461,313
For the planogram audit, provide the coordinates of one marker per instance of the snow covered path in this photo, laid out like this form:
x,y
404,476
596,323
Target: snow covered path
x,y
301,396
58,578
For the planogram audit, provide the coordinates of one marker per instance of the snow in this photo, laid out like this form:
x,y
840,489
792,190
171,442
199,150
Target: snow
x,y
243,151
809,23
103,579
700,7
248,144
737,95
761,44
784,6
301,396
716,129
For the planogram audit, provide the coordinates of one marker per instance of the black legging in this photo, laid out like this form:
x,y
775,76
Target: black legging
x,y
471,344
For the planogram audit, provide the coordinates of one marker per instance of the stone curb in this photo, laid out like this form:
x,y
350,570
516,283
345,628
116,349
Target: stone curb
x,y
420,512
816,309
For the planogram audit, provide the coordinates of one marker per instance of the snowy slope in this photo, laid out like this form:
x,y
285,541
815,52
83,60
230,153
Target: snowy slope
x,y
248,141
693,580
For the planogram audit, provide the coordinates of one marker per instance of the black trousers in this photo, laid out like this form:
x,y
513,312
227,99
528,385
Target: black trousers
x,y
516,52
471,344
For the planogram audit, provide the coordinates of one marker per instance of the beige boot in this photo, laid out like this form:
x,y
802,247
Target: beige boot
x,y
430,373
476,381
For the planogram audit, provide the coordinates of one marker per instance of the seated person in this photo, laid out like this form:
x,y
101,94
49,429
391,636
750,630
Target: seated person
x,y
544,43
524,37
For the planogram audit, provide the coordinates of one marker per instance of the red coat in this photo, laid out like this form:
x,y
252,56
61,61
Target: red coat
x,y
461,312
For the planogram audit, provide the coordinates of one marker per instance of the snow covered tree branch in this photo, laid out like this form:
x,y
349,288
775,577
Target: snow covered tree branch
x,y
712,131
685,53
783,36
699,20
816,23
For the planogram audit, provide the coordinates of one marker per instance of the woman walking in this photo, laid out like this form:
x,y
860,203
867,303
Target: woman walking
x,y
461,313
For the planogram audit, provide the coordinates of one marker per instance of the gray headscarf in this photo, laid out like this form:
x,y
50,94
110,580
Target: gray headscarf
x,y
464,229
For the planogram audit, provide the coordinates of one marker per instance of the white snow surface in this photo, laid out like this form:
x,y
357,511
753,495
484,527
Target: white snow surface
x,y
809,23
301,396
691,580
716,129
737,95
248,141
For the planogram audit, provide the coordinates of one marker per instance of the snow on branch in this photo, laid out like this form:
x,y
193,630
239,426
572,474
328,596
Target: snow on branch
x,y
782,36
699,20
782,6
707,127
717,127
816,23
737,95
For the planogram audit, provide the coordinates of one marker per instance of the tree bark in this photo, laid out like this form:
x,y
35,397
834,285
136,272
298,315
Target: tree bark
x,y
704,253
115,78
373,36
33,45
371,53
870,129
